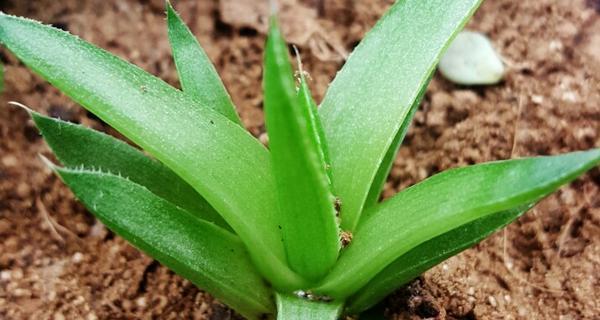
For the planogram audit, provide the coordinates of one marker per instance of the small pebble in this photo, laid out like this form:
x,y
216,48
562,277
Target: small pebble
x,y
5,275
141,302
77,257
92,316
471,60
492,301
537,99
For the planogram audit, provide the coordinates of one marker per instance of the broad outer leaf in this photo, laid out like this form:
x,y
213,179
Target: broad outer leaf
x,y
371,97
197,75
390,155
223,163
77,146
207,255
308,220
444,202
294,308
427,255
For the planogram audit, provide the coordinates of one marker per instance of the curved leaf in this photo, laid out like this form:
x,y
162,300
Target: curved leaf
x,y
388,160
197,74
371,97
308,220
76,146
219,159
444,202
207,255
428,254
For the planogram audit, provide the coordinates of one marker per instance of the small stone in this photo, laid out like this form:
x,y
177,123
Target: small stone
x,y
10,161
471,60
5,275
537,99
92,316
141,302
492,301
77,257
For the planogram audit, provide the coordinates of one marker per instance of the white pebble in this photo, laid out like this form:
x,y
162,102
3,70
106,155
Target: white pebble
x,y
537,99
471,60
77,257
5,275
141,302
492,301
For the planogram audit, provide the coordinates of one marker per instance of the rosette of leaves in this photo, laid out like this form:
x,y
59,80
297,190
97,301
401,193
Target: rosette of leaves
x,y
261,228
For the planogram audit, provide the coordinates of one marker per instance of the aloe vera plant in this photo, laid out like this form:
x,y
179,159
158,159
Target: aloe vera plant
x,y
261,229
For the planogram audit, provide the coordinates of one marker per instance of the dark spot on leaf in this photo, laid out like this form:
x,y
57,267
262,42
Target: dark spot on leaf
x,y
346,238
212,122
337,204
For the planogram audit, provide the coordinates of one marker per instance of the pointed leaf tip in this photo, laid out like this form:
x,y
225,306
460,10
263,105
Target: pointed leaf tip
x,y
198,77
22,106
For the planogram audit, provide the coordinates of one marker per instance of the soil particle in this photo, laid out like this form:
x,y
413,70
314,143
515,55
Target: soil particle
x,y
545,266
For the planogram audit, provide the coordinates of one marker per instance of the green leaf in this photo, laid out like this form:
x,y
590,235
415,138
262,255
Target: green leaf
x,y
307,102
207,255
390,155
428,254
218,158
370,98
75,146
444,202
198,76
308,219
295,308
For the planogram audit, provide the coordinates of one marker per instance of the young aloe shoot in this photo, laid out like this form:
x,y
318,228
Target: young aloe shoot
x,y
295,231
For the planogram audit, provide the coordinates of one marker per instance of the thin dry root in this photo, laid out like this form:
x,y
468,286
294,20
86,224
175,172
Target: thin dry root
x,y
49,221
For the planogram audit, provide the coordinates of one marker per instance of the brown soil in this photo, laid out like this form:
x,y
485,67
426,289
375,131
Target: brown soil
x,y
58,262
